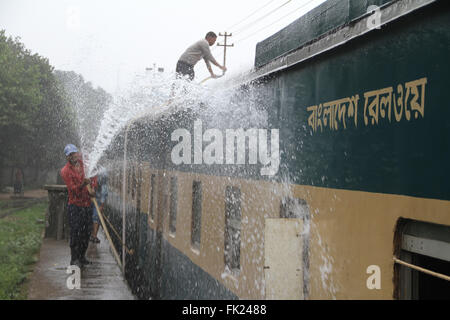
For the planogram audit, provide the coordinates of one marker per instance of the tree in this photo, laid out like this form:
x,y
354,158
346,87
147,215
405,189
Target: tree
x,y
37,116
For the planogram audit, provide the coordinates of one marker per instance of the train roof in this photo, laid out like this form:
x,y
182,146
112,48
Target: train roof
x,y
328,16
331,24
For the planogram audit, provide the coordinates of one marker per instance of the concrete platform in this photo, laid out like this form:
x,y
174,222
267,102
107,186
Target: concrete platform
x,y
102,280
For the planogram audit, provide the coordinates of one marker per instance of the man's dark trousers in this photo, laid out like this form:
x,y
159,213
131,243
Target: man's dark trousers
x,y
80,222
185,69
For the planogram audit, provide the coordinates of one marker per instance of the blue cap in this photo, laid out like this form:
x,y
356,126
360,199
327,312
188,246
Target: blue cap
x,y
70,148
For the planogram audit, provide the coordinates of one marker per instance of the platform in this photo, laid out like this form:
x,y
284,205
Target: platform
x,y
102,280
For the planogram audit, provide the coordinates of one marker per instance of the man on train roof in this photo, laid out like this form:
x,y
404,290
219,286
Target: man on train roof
x,y
193,54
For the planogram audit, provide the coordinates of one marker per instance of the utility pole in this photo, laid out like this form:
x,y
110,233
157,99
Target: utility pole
x,y
225,45
154,69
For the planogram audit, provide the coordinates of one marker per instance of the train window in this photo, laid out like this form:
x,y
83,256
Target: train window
x,y
295,208
233,217
151,206
139,189
129,180
196,214
422,253
133,182
173,205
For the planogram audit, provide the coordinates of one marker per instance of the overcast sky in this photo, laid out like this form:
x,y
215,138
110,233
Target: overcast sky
x,y
110,41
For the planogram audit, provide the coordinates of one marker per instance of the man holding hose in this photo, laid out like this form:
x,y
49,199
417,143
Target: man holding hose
x,y
79,205
193,54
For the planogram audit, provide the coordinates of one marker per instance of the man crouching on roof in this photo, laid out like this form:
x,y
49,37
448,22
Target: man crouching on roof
x,y
79,205
193,54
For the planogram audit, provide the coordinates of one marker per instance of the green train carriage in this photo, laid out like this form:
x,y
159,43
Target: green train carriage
x,y
363,176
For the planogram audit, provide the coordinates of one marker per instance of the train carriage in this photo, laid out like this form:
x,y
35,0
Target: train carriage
x,y
358,207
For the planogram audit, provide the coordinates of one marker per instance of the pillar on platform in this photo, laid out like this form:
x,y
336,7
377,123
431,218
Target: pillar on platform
x,y
56,223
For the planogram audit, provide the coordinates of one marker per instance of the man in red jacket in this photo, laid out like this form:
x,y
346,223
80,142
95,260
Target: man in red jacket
x,y
79,205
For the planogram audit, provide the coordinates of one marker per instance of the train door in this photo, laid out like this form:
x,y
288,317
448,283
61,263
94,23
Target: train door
x,y
283,263
286,265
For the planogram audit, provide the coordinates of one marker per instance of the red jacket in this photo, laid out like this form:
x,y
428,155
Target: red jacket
x,y
78,195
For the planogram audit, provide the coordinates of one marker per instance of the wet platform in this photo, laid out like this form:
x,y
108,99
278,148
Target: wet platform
x,y
101,280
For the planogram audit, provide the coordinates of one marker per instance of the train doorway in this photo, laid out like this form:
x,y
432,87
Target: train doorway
x,y
422,269
283,265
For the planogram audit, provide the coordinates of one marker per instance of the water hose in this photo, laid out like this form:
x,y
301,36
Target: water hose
x,y
129,251
102,221
206,79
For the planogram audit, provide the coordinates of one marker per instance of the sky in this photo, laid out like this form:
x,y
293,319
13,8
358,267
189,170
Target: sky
x,y
109,42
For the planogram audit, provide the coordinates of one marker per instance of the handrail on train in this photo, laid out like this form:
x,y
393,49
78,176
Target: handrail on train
x,y
429,272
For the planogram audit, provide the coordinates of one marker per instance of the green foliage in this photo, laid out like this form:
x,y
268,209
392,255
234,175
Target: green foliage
x,y
20,240
19,83
34,112
42,110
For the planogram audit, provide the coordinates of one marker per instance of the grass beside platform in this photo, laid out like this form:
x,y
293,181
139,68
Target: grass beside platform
x,y
20,241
